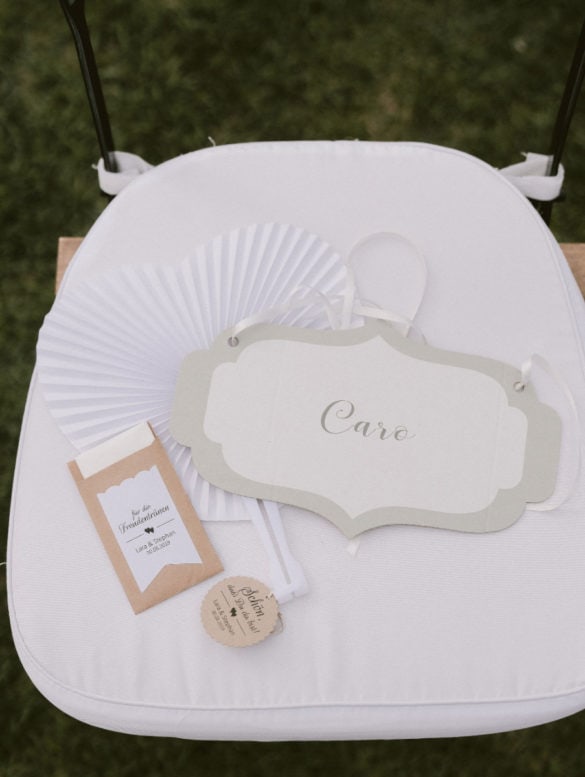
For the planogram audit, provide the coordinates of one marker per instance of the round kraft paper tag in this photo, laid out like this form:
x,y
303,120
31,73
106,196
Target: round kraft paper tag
x,y
239,611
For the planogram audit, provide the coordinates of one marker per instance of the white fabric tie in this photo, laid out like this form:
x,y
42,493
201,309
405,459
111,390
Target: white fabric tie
x,y
530,177
130,166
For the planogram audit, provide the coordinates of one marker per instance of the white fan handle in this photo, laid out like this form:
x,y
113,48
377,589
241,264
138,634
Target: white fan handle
x,y
287,577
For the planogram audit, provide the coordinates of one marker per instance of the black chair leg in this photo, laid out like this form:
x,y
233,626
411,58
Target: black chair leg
x,y
564,116
74,11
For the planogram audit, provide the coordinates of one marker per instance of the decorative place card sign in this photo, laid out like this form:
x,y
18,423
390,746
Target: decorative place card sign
x,y
144,518
367,428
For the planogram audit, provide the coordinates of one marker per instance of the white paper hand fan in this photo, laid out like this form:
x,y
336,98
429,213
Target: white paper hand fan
x,y
109,351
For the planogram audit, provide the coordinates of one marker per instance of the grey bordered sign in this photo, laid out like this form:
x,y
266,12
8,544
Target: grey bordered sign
x,y
542,448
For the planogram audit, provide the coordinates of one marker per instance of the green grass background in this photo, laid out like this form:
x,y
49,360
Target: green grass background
x,y
479,76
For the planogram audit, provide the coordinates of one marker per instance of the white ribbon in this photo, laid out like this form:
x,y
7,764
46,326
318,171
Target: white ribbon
x,y
350,292
526,371
341,309
130,166
530,177
301,297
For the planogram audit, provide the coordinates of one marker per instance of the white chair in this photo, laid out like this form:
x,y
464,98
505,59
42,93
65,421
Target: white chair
x,y
422,632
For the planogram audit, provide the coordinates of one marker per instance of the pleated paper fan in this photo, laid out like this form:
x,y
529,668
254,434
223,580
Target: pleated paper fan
x,y
109,351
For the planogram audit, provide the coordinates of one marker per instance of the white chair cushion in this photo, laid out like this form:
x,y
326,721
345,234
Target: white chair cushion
x,y
424,632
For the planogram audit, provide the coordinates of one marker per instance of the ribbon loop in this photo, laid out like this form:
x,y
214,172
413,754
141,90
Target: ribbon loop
x,y
526,371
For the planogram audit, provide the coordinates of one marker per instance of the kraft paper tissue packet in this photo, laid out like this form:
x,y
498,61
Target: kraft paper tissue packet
x,y
144,518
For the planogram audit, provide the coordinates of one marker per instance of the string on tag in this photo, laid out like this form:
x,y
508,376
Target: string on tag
x,y
351,287
526,371
369,310
341,309
302,297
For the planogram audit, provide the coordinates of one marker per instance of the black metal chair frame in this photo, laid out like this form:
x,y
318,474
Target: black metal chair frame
x,y
75,13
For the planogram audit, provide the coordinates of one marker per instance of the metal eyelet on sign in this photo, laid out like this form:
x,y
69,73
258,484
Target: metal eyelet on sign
x,y
233,342
519,386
